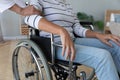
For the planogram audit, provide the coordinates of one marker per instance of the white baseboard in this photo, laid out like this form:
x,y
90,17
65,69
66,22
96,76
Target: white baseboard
x,y
14,37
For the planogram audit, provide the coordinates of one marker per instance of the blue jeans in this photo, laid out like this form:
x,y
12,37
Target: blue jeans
x,y
93,53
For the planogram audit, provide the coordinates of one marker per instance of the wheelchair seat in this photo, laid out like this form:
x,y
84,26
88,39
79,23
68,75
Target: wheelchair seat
x,y
44,44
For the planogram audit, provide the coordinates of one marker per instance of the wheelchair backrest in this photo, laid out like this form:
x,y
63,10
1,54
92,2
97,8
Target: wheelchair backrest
x,y
43,42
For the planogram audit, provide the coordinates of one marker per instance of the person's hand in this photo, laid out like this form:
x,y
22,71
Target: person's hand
x,y
68,46
67,43
30,10
106,37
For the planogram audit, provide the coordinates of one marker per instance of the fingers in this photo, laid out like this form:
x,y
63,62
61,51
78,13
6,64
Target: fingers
x,y
116,39
35,10
68,53
113,38
109,44
31,10
69,50
68,46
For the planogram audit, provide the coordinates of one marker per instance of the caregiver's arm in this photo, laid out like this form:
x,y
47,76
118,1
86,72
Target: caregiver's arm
x,y
29,10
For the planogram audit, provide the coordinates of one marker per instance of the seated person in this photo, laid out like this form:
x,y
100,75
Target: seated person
x,y
96,50
99,51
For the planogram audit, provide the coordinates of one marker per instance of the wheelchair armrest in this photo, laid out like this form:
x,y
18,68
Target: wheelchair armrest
x,y
52,41
88,24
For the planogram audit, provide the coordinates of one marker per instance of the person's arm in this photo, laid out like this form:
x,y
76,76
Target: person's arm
x,y
67,43
80,31
29,10
43,24
103,37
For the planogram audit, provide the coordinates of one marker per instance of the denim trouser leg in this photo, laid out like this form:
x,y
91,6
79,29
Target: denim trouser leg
x,y
97,58
114,50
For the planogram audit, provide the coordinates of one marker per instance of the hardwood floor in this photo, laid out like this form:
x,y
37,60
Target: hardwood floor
x,y
6,50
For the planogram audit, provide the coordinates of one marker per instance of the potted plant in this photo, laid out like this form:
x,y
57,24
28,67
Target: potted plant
x,y
89,18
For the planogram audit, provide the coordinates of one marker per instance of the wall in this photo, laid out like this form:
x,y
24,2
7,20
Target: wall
x,y
11,24
1,37
95,7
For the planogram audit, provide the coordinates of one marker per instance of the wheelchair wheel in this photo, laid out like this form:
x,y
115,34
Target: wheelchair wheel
x,y
29,63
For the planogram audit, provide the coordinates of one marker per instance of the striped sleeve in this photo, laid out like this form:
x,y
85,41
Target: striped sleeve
x,y
79,29
32,20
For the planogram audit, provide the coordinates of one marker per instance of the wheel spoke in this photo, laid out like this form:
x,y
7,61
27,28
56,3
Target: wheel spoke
x,y
27,65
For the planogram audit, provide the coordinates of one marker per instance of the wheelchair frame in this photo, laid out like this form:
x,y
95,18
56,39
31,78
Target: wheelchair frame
x,y
61,69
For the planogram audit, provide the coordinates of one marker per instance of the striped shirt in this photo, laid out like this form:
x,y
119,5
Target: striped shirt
x,y
61,13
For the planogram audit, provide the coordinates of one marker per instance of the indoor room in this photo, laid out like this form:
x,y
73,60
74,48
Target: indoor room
x,y
23,51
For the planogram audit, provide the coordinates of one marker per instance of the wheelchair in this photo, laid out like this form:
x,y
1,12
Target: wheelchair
x,y
34,59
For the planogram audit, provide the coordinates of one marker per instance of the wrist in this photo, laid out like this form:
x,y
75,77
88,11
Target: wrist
x,y
97,35
17,9
21,11
63,32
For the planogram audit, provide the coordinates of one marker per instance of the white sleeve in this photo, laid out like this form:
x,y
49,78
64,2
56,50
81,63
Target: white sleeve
x,y
6,4
20,3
